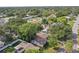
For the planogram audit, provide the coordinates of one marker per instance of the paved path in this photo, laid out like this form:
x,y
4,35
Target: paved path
x,y
10,44
75,33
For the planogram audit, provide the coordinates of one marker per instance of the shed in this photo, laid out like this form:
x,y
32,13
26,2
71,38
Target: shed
x,y
40,40
25,46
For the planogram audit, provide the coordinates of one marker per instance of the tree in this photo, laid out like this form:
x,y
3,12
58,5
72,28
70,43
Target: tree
x,y
34,11
69,45
46,12
27,31
12,28
49,50
53,42
68,32
14,23
1,31
9,50
44,21
52,19
10,14
59,32
62,20
63,12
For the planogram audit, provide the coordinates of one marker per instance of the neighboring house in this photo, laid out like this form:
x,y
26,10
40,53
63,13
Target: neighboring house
x,y
7,31
2,37
11,17
43,26
45,29
7,18
57,24
1,44
51,16
29,17
12,33
2,15
40,40
3,21
35,20
24,46
68,18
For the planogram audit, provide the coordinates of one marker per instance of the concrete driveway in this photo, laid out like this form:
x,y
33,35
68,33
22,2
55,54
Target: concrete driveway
x,y
75,33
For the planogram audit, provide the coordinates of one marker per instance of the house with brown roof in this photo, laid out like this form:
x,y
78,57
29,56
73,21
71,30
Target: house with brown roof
x,y
35,20
40,40
24,46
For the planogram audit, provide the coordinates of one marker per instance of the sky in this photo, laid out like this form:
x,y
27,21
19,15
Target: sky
x,y
10,3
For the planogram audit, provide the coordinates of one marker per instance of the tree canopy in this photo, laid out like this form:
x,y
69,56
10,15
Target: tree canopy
x,y
27,31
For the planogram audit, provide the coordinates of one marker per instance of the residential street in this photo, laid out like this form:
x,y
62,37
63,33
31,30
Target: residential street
x,y
75,32
9,44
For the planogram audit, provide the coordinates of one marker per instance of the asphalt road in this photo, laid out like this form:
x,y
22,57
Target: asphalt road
x,y
9,44
75,33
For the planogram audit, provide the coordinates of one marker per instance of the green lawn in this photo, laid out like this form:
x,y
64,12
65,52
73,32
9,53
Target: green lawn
x,y
71,23
9,50
69,46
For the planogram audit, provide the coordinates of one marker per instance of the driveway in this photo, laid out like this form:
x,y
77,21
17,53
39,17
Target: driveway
x,y
75,33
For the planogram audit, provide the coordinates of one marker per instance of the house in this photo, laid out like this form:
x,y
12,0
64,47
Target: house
x,y
12,33
28,17
68,18
7,31
1,44
2,15
2,37
40,40
24,46
51,16
3,21
57,24
35,20
45,29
